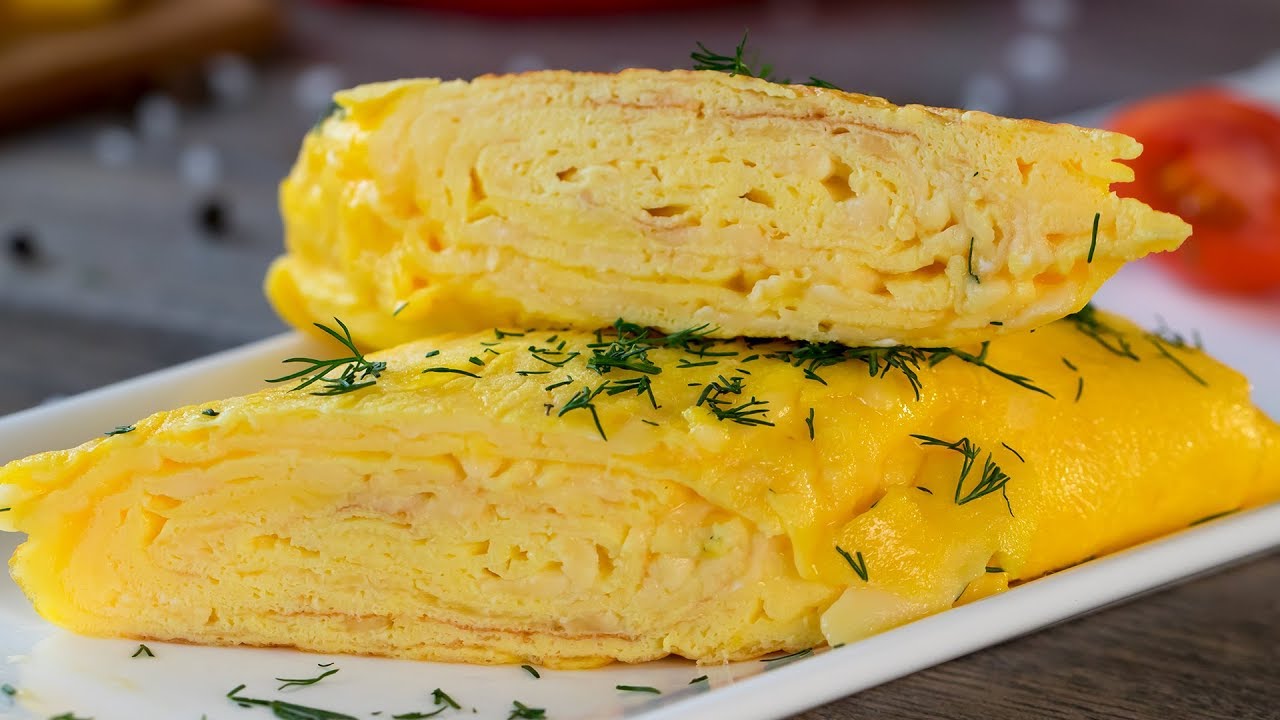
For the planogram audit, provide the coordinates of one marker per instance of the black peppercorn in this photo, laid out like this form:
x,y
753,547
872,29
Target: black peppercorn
x,y
21,246
213,217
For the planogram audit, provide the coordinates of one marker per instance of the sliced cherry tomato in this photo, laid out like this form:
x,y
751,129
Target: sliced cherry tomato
x,y
1213,159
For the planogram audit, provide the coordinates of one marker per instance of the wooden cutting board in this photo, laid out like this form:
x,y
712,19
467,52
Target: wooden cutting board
x,y
51,69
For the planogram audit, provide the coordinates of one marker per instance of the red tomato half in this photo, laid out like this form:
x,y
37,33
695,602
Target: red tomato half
x,y
1214,160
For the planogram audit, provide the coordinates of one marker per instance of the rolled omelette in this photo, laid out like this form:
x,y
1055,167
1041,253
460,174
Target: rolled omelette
x,y
677,198
569,498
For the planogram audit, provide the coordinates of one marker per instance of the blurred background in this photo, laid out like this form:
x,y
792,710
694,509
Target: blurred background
x,y
141,142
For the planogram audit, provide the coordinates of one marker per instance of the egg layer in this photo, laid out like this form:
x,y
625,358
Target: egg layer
x,y
567,499
668,198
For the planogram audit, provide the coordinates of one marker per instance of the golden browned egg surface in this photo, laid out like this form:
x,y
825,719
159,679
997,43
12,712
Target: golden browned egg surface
x,y
670,198
563,499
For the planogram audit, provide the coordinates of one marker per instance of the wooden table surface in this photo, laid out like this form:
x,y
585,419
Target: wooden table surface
x,y
123,280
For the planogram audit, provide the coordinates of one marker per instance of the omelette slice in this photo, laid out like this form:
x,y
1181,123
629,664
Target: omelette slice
x,y
767,210
569,499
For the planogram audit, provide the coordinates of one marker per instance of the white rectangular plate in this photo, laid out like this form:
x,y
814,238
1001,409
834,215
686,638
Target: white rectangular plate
x,y
57,672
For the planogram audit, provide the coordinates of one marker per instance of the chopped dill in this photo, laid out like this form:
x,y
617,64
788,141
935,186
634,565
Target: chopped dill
x,y
292,682
582,400
526,373
809,421
750,412
1214,516
287,710
638,688
1016,454
455,371
684,363
432,354
992,479
938,355
120,430
859,564
972,274
924,489
789,656
520,711
442,698
700,678
640,385
1079,387
1163,349
646,422
1086,321
475,361
567,381
531,670
537,353
1093,241
994,569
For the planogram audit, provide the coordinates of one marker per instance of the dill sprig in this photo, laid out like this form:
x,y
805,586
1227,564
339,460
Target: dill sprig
x,y
354,372
642,385
1086,321
859,564
937,355
737,64
627,352
582,400
291,682
992,479
286,710
750,412
880,361
1164,338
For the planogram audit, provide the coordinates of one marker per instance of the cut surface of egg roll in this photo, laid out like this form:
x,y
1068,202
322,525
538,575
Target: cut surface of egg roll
x,y
767,210
555,498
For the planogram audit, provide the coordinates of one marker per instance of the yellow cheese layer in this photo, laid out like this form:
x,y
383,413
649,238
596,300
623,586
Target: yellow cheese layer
x,y
766,210
488,519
